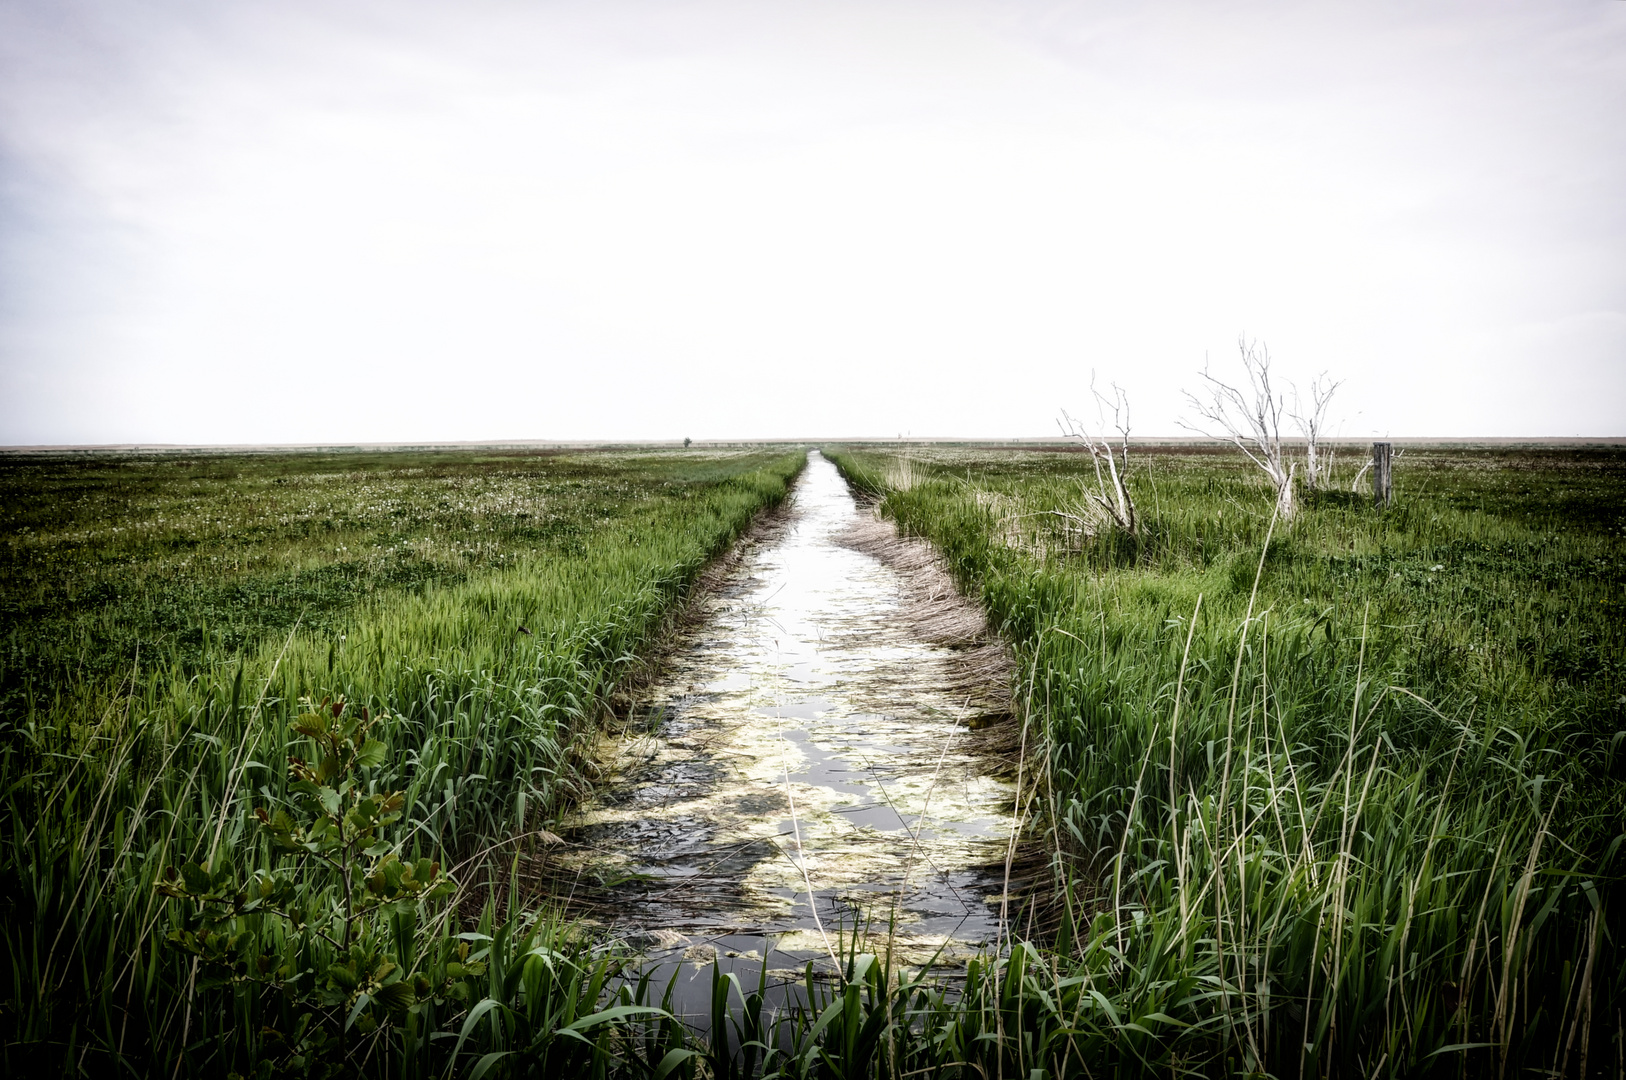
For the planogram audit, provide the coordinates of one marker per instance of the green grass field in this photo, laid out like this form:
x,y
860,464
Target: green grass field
x,y
163,617
1331,797
1340,796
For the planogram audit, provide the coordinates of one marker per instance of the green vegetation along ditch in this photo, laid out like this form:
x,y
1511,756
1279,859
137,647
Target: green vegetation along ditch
x,y
1339,797
456,618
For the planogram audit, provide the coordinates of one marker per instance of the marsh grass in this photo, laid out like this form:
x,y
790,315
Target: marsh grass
x,y
1340,797
164,616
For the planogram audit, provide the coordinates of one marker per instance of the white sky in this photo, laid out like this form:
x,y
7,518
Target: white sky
x,y
304,221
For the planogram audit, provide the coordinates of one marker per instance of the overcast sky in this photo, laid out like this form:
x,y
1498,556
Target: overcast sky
x,y
348,221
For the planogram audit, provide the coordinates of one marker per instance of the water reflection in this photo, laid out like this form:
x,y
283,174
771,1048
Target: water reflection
x,y
804,736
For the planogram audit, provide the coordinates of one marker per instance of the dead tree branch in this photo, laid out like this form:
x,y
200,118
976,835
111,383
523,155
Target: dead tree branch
x,y
1312,425
1110,500
1355,485
1250,419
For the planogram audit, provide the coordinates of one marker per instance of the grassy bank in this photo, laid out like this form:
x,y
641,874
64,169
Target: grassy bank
x,y
162,618
1340,796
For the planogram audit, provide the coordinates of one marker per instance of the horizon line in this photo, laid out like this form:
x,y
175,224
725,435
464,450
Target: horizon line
x,y
591,444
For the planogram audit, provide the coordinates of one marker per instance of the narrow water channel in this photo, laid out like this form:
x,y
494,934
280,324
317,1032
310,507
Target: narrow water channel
x,y
802,768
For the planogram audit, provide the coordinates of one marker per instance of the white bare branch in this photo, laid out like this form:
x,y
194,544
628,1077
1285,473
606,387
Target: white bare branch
x,y
1312,423
1111,499
1250,419
1355,485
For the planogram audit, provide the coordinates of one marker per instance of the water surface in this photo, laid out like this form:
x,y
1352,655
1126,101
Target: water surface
x,y
802,755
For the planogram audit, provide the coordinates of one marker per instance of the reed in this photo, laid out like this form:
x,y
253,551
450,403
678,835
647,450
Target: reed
x,y
1332,798
494,669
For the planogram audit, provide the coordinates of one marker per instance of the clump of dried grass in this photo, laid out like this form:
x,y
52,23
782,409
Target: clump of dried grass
x,y
901,474
1042,534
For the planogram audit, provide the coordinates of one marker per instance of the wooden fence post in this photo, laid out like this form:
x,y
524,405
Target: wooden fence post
x,y
1382,474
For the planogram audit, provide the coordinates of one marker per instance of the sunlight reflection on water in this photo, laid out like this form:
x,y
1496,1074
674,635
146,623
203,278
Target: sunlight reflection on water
x,y
804,673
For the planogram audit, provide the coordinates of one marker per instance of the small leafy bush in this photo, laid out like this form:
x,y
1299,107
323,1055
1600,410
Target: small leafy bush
x,y
329,926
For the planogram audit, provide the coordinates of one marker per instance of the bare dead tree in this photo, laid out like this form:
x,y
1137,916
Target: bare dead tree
x,y
1250,418
1312,423
1110,500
